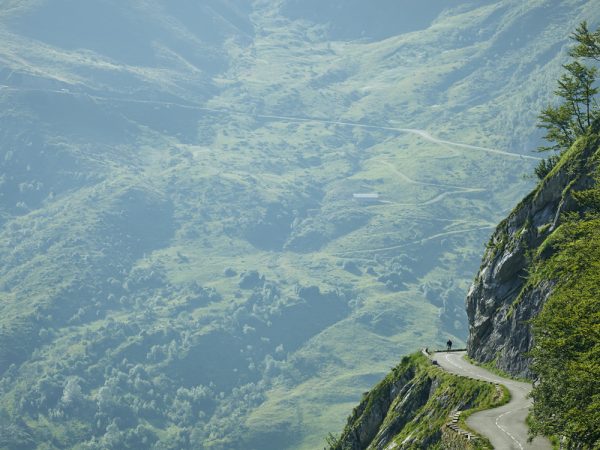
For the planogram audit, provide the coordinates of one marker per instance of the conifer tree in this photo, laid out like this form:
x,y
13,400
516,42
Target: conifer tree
x,y
577,91
588,43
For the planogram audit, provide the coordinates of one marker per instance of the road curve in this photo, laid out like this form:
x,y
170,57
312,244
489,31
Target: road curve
x,y
504,426
224,110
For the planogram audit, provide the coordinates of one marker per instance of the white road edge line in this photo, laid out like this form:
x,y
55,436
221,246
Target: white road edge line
x,y
500,427
504,429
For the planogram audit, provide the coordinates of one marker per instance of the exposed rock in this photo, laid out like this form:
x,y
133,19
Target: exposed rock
x,y
372,411
409,399
500,302
409,408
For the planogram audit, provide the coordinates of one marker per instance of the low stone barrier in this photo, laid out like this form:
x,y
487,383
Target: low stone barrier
x,y
453,425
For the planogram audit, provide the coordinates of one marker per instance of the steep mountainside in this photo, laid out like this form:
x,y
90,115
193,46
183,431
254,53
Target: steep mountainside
x,y
540,270
533,307
410,407
504,297
184,262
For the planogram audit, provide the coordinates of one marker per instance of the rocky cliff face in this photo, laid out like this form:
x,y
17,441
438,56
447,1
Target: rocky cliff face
x,y
409,408
501,300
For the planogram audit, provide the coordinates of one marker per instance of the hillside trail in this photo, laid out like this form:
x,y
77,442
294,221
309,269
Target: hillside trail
x,y
505,425
437,198
408,244
283,118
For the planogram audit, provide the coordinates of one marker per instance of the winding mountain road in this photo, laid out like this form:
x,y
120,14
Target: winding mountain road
x,y
283,118
504,426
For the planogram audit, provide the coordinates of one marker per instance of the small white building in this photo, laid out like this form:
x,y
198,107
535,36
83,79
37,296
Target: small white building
x,y
367,196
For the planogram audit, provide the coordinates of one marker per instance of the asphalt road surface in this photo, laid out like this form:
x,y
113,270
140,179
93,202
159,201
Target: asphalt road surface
x,y
504,426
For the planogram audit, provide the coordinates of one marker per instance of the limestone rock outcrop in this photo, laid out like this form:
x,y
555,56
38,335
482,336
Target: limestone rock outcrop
x,y
501,301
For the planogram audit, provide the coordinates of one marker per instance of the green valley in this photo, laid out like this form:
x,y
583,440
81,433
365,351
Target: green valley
x,y
222,221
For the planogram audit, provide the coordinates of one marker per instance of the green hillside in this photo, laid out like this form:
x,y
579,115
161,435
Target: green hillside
x,y
567,332
184,262
532,308
411,407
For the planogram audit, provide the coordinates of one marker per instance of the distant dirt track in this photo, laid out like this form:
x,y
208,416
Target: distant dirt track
x,y
418,241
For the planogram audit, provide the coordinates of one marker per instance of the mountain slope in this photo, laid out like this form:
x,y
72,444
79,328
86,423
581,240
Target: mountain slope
x,y
505,296
540,318
410,407
184,262
533,312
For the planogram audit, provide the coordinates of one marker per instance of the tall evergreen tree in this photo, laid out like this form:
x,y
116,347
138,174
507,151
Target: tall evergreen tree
x,y
558,121
578,107
588,43
576,87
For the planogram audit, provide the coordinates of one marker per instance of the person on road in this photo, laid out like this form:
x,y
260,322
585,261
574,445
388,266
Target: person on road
x,y
449,345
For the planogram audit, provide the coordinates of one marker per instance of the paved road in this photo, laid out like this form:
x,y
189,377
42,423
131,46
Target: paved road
x,y
224,110
504,426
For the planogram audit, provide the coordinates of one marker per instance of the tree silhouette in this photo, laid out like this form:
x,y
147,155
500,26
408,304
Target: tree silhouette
x,y
578,107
